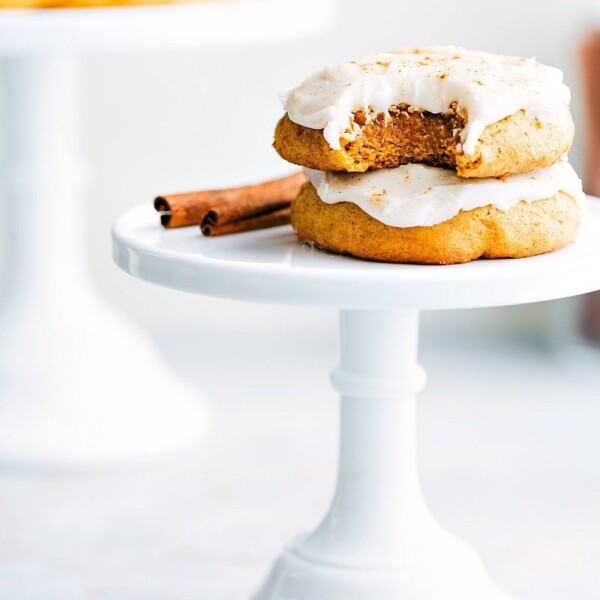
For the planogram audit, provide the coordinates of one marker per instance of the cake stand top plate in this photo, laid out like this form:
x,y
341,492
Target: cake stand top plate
x,y
272,266
169,26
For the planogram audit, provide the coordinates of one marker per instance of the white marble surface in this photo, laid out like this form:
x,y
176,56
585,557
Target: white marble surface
x,y
509,443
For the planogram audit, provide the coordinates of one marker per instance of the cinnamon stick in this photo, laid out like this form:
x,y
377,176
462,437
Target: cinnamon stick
x,y
273,218
227,205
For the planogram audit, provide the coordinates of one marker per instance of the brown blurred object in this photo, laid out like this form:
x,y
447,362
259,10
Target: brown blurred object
x,y
591,317
590,60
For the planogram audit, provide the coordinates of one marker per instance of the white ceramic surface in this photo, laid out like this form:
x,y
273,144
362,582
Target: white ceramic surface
x,y
272,266
378,539
61,351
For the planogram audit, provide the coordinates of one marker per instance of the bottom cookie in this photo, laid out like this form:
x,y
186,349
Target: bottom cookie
x,y
526,229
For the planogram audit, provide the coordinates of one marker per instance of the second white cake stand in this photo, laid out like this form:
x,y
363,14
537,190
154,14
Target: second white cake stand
x,y
378,540
78,383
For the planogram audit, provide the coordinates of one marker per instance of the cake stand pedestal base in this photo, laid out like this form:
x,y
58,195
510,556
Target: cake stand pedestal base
x,y
378,539
83,386
77,382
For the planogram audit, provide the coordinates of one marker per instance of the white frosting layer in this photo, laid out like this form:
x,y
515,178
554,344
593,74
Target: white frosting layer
x,y
417,195
485,87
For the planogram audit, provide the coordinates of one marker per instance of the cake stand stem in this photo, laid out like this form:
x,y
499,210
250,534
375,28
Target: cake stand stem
x,y
378,493
73,383
43,179
378,539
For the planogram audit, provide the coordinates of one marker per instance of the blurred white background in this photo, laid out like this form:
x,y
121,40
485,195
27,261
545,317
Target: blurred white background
x,y
203,119
508,432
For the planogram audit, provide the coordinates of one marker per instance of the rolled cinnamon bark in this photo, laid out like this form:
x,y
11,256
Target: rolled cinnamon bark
x,y
181,210
279,216
228,205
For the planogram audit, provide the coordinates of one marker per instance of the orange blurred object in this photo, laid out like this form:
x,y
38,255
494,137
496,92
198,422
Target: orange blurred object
x,y
44,4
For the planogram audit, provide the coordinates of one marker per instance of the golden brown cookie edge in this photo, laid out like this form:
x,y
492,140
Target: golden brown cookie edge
x,y
526,229
517,144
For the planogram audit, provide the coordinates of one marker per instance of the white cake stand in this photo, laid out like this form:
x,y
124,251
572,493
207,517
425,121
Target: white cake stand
x,y
77,383
378,540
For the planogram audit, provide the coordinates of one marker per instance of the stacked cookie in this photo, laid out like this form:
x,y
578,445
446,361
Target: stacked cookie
x,y
433,155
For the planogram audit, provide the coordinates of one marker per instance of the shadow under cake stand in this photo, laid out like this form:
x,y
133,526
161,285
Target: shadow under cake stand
x,y
78,383
378,539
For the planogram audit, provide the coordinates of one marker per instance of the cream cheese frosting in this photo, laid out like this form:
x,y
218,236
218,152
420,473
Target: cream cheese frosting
x,y
417,195
485,88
